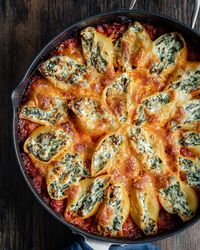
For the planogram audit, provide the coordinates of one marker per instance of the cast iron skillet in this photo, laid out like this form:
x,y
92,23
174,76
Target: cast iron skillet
x,y
100,242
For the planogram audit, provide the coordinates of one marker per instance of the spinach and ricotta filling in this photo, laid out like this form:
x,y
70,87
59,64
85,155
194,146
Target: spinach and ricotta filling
x,y
97,49
155,162
149,225
166,48
139,140
190,139
47,144
192,170
174,198
64,69
141,116
92,198
68,170
52,116
107,150
115,203
192,111
120,86
146,152
117,97
188,82
156,102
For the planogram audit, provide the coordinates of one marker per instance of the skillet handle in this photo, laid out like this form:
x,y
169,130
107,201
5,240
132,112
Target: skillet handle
x,y
194,15
14,98
97,245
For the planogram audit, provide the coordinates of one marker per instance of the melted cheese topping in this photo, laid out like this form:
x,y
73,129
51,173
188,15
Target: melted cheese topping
x,y
119,120
117,96
92,115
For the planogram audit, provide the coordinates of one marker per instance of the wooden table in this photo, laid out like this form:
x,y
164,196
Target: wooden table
x,y
25,27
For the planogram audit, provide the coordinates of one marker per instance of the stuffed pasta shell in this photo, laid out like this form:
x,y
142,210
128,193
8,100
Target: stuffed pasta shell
x,y
114,210
145,208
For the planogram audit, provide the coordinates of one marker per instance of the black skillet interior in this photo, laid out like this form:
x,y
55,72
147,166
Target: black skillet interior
x,y
17,95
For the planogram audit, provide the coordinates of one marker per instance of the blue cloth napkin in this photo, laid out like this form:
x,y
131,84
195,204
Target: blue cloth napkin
x,y
81,245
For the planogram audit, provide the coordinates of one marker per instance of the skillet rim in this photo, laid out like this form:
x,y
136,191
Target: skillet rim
x,y
21,88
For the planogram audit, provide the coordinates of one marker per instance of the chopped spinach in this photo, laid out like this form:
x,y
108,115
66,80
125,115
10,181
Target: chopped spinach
x,y
68,170
141,116
189,139
148,224
155,102
192,110
47,144
107,150
92,50
175,197
192,170
188,82
64,69
155,163
97,59
138,137
136,28
166,47
52,116
95,195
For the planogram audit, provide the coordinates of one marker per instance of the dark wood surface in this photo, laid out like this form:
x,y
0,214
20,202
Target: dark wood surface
x,y
25,27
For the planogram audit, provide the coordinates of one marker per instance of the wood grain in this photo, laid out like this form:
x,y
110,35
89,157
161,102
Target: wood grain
x,y
25,27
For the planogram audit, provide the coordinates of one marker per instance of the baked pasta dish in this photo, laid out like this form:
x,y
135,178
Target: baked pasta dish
x,y
109,130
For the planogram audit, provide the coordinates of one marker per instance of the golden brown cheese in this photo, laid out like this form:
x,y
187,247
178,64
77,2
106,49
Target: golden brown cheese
x,y
91,115
117,96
